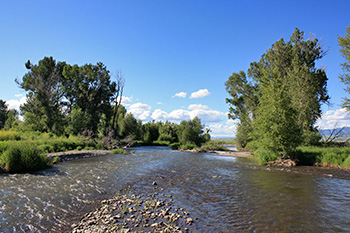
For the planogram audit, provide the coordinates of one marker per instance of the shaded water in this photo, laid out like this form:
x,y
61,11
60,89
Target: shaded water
x,y
225,194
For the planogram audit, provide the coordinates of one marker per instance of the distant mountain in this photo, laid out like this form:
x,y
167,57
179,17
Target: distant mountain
x,y
327,132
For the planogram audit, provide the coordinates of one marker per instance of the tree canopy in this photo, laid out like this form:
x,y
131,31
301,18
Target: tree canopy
x,y
344,43
280,100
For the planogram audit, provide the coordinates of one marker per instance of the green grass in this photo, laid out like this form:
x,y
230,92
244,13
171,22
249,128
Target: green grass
x,y
119,151
23,157
9,135
326,156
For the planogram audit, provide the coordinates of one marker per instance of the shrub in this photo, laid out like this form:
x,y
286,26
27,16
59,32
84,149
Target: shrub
x,y
21,157
264,156
188,146
119,151
9,135
175,146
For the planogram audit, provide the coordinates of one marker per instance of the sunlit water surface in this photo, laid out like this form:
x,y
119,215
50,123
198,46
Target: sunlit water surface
x,y
223,194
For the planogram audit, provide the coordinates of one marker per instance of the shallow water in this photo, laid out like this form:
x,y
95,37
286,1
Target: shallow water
x,y
223,194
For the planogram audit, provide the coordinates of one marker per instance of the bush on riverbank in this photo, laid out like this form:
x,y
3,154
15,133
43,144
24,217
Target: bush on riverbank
x,y
9,135
119,151
21,157
324,156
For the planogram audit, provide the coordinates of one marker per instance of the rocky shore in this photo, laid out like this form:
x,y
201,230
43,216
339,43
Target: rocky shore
x,y
136,213
71,155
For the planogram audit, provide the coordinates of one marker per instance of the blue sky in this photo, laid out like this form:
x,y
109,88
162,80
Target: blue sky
x,y
167,49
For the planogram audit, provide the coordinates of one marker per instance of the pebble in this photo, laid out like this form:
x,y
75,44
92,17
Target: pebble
x,y
144,212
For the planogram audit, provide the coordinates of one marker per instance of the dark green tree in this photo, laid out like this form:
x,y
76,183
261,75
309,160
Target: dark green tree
x,y
344,43
191,131
43,83
243,103
129,127
167,132
150,131
12,119
285,90
3,113
90,89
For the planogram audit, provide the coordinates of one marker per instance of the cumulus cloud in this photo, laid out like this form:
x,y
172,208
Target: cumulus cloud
x,y
140,111
159,115
207,115
179,114
334,118
222,130
15,104
197,107
126,101
200,94
180,94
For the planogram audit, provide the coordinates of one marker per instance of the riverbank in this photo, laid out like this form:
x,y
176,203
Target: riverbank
x,y
135,213
72,155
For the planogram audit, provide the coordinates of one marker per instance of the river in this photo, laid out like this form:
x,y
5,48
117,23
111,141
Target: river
x,y
223,194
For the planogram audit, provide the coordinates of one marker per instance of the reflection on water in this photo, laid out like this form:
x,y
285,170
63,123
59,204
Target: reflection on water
x,y
225,193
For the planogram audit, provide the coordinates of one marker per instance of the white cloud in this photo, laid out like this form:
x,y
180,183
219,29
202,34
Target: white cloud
x,y
19,95
200,94
197,107
159,115
15,104
222,130
159,103
334,118
179,114
140,111
180,94
126,101
207,116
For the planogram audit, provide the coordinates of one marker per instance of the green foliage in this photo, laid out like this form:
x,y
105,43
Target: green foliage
x,y
188,146
77,121
21,157
90,89
264,155
279,103
175,146
43,82
3,113
344,43
167,132
129,126
331,156
191,131
9,135
213,147
119,151
12,119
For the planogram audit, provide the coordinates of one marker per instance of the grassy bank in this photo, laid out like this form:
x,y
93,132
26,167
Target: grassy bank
x,y
327,156
22,152
330,156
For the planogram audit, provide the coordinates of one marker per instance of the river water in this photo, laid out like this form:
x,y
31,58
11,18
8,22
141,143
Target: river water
x,y
223,194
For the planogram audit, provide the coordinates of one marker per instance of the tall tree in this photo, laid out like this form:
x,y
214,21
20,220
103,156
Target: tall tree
x,y
344,43
43,83
285,91
243,103
117,99
3,113
191,131
90,89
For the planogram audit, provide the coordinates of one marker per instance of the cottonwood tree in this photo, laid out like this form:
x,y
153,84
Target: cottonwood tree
x,y
117,100
281,102
89,88
3,113
344,43
43,83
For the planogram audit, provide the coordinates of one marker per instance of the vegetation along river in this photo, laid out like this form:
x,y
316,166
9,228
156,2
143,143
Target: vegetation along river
x,y
222,194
